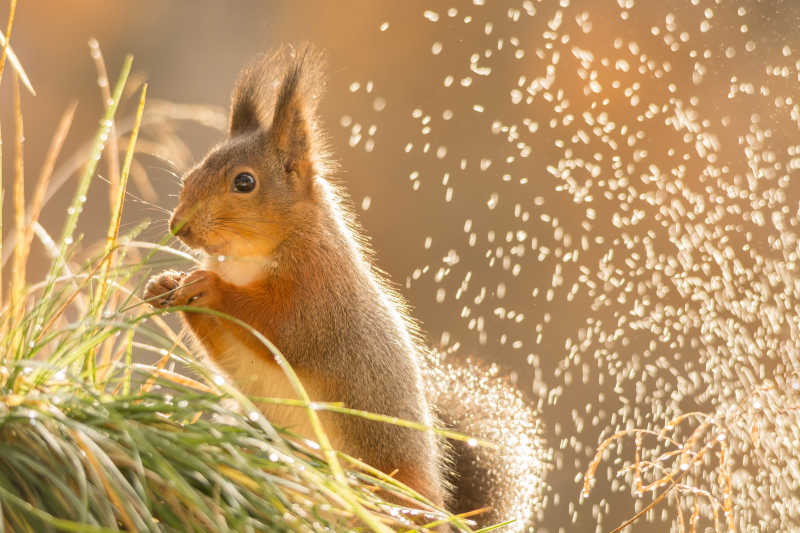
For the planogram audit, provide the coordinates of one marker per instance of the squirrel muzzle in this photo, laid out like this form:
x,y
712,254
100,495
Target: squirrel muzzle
x,y
197,230
180,227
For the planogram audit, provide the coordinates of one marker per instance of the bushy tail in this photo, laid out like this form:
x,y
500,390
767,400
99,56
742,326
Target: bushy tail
x,y
472,399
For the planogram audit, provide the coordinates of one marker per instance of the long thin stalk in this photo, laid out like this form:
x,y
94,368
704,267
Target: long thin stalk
x,y
47,169
7,41
112,150
113,230
316,425
116,215
97,149
2,242
20,252
79,197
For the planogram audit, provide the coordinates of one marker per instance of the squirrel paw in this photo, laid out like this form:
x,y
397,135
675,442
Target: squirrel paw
x,y
160,291
198,288
179,288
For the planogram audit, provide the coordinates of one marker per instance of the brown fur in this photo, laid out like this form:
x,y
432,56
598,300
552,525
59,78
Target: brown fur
x,y
289,260
298,275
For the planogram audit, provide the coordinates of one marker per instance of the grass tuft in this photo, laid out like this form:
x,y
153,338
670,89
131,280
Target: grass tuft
x,y
95,439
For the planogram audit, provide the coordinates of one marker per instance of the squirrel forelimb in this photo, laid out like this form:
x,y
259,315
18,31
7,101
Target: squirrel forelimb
x,y
286,258
171,288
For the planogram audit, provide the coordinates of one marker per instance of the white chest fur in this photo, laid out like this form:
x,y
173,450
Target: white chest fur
x,y
239,271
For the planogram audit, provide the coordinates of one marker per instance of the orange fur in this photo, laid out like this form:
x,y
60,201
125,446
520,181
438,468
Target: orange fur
x,y
286,258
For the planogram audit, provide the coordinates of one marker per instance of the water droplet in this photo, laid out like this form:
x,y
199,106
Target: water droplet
x,y
433,16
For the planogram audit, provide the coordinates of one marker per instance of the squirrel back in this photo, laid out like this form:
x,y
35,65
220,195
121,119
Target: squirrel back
x,y
286,256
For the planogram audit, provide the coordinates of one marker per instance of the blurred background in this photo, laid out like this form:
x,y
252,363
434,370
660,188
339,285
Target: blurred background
x,y
596,195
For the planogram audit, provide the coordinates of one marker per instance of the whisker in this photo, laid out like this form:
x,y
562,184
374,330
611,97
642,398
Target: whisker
x,y
169,171
133,198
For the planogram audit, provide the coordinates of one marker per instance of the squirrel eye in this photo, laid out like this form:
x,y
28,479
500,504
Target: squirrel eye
x,y
244,182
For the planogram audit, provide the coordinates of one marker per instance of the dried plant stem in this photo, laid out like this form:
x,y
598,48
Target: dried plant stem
x,y
2,198
47,169
651,505
20,251
7,41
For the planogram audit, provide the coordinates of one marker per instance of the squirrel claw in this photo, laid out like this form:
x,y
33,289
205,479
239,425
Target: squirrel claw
x,y
172,288
196,288
161,290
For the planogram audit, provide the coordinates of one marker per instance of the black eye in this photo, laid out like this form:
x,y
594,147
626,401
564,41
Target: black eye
x,y
244,182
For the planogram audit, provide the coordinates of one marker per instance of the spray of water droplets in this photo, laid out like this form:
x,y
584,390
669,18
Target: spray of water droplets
x,y
618,213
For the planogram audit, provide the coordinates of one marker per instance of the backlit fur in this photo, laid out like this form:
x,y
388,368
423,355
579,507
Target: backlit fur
x,y
289,260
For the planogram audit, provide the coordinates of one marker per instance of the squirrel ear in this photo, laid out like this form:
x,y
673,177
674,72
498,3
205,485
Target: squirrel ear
x,y
290,125
245,110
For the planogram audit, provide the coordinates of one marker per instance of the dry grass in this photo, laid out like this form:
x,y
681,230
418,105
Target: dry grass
x,y
91,440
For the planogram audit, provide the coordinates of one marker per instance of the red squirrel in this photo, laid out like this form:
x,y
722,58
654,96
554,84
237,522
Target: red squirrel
x,y
285,255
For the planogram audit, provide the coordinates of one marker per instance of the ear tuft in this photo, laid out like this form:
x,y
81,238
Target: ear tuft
x,y
246,102
290,127
291,123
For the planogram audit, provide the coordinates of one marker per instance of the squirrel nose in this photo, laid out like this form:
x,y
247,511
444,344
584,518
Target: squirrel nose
x,y
179,226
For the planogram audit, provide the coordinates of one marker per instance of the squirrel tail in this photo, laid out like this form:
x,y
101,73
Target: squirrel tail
x,y
507,481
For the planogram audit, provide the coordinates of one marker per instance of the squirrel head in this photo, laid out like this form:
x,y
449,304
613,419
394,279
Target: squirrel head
x,y
252,190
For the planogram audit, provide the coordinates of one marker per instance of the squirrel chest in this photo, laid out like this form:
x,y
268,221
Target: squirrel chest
x,y
253,368
258,376
297,272
286,257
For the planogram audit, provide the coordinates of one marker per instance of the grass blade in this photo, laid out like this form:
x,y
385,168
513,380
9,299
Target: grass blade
x,y
20,251
97,149
7,41
112,151
12,58
116,214
47,169
113,229
83,185
2,243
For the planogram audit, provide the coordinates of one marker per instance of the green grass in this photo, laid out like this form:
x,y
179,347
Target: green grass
x,y
92,440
